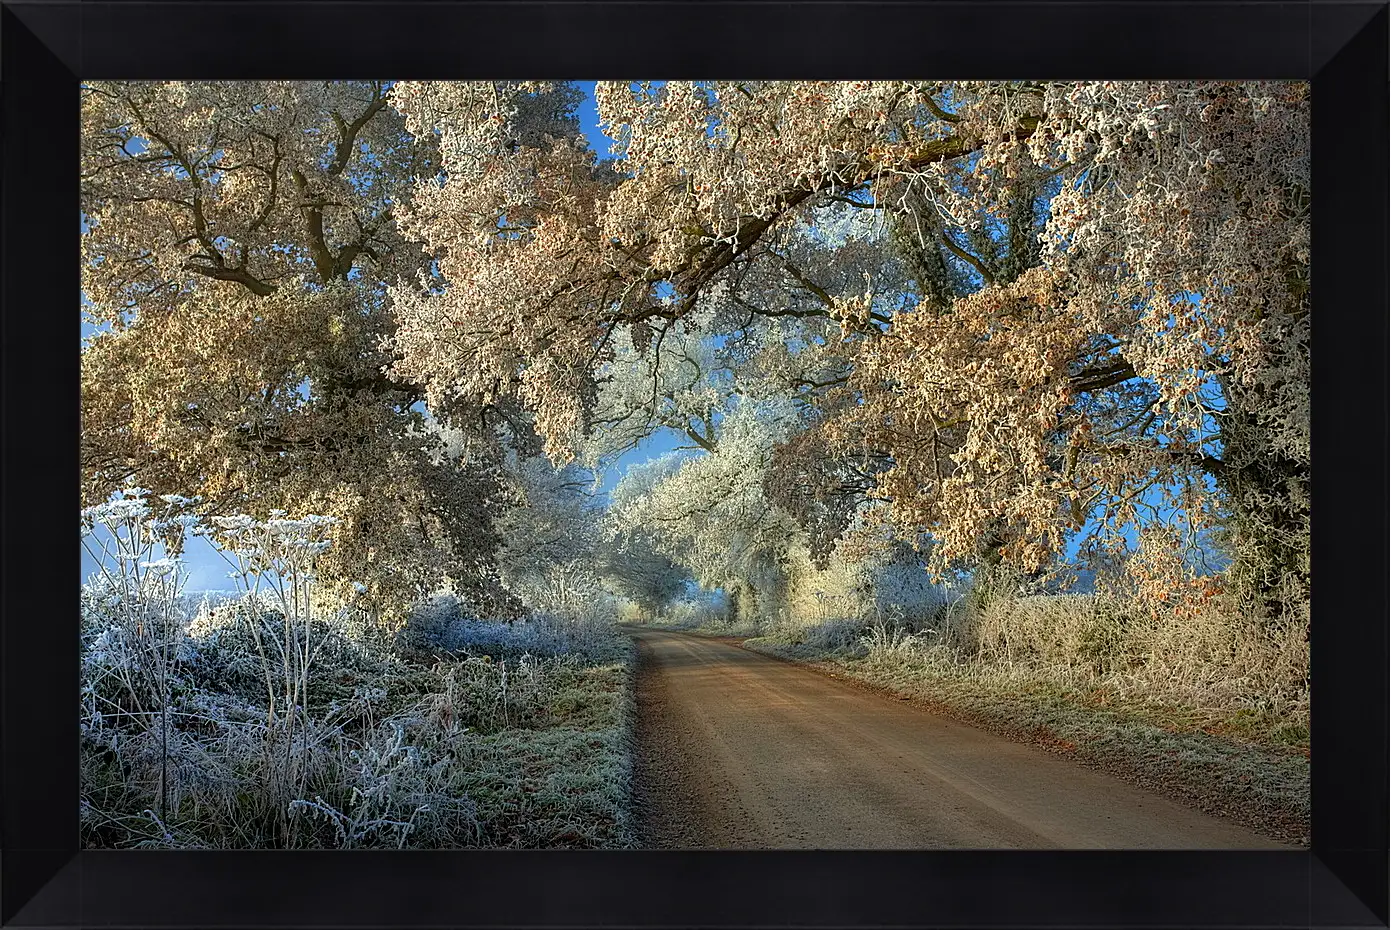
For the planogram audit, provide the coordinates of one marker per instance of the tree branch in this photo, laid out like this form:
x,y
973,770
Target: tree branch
x,y
347,132
1098,377
968,258
239,275
815,288
693,276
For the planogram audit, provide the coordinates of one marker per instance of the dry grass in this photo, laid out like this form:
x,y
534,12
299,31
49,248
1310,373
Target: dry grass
x,y
493,735
1220,670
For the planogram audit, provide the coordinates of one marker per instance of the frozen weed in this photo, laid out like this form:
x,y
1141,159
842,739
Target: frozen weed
x,y
273,720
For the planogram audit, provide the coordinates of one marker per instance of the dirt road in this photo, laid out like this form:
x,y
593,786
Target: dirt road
x,y
738,750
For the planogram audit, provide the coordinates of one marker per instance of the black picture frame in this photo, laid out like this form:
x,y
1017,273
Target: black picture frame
x,y
45,47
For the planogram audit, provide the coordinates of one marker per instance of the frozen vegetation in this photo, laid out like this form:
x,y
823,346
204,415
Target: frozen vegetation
x,y
265,721
919,352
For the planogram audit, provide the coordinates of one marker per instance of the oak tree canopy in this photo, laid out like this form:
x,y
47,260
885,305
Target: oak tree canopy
x,y
974,317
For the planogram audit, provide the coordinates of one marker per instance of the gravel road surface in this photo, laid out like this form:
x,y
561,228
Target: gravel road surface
x,y
739,750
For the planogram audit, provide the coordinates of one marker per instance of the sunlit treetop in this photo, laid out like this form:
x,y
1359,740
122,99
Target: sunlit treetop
x,y
1002,312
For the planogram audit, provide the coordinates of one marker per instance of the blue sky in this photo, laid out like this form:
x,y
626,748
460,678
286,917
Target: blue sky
x,y
589,121
665,440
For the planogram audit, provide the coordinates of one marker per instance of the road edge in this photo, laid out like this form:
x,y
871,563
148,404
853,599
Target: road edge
x,y
1116,757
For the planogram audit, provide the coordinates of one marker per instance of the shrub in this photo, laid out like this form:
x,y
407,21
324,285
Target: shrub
x,y
270,720
444,625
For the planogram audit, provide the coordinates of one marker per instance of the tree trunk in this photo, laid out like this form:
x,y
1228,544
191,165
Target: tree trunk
x,y
1268,531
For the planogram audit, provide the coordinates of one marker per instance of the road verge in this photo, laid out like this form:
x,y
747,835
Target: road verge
x,y
1167,749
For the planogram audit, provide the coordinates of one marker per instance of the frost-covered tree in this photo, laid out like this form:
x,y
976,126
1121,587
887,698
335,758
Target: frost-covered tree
x,y
239,240
677,380
708,512
1002,313
633,568
550,534
1098,296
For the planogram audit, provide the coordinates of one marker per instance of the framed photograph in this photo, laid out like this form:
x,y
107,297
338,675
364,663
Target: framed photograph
x,y
720,464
